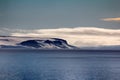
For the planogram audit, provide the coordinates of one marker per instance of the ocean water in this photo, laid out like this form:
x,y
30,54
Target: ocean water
x,y
59,65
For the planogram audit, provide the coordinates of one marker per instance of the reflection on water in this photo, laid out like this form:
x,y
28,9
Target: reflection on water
x,y
59,65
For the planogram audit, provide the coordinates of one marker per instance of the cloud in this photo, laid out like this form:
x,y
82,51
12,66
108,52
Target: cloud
x,y
7,31
111,19
79,36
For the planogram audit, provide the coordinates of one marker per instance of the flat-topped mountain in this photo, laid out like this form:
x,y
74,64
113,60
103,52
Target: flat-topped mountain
x,y
39,43
46,43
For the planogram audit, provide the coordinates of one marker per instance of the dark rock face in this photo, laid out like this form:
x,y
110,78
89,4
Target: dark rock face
x,y
57,39
31,43
58,42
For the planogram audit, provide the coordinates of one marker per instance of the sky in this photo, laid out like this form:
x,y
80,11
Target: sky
x,y
80,22
52,14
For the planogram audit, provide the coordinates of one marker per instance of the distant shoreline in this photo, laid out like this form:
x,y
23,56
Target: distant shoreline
x,y
81,50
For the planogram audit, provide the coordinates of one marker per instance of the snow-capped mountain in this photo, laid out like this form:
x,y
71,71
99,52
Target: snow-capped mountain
x,y
29,42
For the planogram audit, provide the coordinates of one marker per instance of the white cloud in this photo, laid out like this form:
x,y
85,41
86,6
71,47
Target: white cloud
x,y
111,19
79,36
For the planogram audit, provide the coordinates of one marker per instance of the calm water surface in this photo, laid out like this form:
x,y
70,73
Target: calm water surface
x,y
59,65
